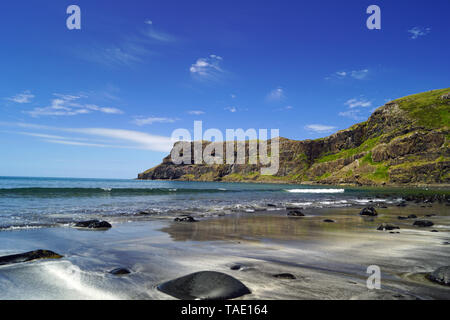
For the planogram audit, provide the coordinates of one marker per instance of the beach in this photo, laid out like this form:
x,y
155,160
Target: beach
x,y
316,259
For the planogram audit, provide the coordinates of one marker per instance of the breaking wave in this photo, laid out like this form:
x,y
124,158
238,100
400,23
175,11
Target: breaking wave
x,y
315,190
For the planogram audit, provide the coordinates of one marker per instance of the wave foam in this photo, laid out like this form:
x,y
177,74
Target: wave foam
x,y
315,190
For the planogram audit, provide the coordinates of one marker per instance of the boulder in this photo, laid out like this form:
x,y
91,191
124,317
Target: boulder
x,y
295,213
441,276
146,213
120,271
93,224
402,218
29,256
387,227
205,285
185,219
412,216
369,211
329,221
423,223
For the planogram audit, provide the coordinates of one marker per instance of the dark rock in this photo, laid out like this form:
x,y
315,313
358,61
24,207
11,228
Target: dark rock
x,y
236,267
441,276
205,285
369,211
423,223
271,205
387,227
412,216
329,221
402,204
295,213
146,213
294,208
285,276
120,271
434,231
185,219
29,256
402,218
93,224
430,215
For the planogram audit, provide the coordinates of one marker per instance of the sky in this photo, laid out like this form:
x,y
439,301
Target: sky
x,y
103,101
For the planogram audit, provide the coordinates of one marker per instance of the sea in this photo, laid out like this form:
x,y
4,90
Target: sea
x,y
30,202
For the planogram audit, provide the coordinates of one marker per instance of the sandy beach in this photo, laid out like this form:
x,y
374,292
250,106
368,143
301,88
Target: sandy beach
x,y
327,260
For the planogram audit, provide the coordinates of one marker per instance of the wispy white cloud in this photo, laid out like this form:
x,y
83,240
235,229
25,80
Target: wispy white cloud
x,y
196,112
276,94
207,68
140,121
77,143
354,114
113,56
138,140
357,103
418,32
359,74
159,36
286,108
354,108
319,128
24,97
132,49
65,105
113,138
231,109
355,74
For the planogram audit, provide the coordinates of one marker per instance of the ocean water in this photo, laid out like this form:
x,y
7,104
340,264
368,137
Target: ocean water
x,y
42,202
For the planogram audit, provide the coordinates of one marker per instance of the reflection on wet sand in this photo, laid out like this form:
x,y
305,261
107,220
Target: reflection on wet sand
x,y
347,223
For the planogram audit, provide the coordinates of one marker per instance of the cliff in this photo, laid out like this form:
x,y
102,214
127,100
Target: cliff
x,y
405,142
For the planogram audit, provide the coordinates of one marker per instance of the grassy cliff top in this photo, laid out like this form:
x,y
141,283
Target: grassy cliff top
x,y
429,109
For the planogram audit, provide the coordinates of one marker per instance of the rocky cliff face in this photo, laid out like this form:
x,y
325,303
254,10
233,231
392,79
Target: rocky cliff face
x,y
403,142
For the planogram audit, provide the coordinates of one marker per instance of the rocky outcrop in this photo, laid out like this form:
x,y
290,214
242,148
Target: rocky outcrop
x,y
403,142
29,256
93,225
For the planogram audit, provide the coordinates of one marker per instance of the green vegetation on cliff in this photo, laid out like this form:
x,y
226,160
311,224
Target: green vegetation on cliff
x,y
428,108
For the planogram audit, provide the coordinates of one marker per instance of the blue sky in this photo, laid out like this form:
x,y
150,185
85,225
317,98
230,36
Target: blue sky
x,y
103,101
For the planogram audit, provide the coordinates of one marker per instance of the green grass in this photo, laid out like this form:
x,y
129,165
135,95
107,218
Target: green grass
x,y
380,174
367,159
366,146
324,176
427,108
419,163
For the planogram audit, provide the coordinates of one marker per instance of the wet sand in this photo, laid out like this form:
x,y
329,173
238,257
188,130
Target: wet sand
x,y
329,260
